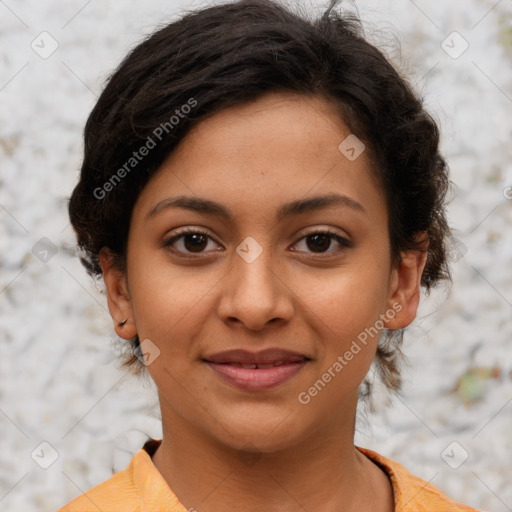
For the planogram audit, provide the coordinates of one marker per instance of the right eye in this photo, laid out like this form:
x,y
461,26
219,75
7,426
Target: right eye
x,y
191,240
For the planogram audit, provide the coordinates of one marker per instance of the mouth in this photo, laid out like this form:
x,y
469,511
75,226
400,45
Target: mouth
x,y
256,370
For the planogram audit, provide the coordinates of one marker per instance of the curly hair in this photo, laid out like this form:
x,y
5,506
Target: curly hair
x,y
234,53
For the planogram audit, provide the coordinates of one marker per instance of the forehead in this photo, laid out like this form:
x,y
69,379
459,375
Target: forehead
x,y
280,147
281,120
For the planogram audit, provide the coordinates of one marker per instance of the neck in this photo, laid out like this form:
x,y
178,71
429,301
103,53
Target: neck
x,y
324,473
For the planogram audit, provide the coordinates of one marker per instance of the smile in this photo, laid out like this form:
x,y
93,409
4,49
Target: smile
x,y
256,371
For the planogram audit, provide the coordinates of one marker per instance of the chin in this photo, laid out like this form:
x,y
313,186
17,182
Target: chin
x,y
268,432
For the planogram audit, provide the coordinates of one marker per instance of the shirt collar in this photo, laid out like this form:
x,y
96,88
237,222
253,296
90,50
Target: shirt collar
x,y
155,492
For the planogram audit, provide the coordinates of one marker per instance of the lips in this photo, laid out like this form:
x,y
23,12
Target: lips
x,y
256,370
271,357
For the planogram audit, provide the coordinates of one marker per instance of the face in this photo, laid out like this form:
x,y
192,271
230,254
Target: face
x,y
258,261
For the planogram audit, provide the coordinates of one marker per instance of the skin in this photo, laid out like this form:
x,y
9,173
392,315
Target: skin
x,y
263,449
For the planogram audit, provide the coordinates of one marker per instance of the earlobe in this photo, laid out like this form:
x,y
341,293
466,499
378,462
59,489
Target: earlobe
x,y
404,289
118,298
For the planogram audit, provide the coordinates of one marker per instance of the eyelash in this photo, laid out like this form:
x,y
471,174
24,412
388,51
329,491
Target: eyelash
x,y
344,242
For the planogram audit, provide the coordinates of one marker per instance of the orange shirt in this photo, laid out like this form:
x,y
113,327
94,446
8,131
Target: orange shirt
x,y
141,488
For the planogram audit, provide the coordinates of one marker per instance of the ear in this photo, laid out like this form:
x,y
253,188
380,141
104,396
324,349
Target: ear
x,y
118,297
404,287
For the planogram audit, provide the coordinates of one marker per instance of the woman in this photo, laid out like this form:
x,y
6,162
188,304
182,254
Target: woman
x,y
264,197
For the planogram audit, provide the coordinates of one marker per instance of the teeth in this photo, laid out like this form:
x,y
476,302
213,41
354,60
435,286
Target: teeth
x,y
259,366
262,366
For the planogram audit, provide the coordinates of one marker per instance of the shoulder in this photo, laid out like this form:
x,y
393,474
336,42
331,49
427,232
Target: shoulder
x,y
139,487
116,493
412,493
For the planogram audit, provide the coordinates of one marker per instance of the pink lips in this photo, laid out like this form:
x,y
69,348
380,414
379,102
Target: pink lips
x,y
256,370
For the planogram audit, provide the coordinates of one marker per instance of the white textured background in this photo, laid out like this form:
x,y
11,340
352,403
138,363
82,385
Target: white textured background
x,y
59,380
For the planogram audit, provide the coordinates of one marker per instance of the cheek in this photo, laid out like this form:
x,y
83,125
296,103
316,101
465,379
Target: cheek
x,y
346,309
165,298
345,321
346,300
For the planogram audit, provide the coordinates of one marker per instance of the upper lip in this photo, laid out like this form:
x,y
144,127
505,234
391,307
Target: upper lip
x,y
269,356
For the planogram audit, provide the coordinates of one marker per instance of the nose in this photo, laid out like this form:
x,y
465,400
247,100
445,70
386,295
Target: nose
x,y
255,293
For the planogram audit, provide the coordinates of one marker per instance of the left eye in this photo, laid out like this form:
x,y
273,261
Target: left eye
x,y
320,241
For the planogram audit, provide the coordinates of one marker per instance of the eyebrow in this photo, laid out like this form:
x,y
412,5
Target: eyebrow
x,y
297,207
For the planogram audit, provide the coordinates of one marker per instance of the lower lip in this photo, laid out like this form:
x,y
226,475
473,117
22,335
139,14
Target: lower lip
x,y
256,379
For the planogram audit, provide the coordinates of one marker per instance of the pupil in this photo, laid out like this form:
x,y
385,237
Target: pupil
x,y
198,241
317,244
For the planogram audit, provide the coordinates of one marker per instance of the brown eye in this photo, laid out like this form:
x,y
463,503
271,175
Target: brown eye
x,y
195,242
320,241
189,241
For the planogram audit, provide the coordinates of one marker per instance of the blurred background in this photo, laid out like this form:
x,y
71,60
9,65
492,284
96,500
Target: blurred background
x,y
69,417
